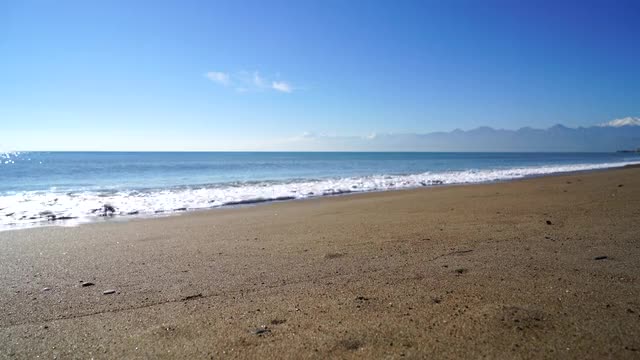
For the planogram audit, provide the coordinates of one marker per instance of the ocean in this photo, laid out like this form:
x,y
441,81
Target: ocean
x,y
70,188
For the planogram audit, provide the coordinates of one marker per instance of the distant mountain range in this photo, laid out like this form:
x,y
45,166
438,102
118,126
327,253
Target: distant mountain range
x,y
620,134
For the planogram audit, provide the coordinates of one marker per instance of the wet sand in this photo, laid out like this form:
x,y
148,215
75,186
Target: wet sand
x,y
538,268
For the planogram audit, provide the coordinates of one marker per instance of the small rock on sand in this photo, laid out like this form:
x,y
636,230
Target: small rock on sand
x,y
108,292
549,222
45,289
87,283
600,257
261,331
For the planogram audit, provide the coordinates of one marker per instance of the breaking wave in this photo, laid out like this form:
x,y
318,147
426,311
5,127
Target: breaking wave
x,y
38,208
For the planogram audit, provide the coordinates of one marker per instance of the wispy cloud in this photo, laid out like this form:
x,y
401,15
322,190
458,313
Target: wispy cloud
x,y
218,77
281,86
245,81
258,81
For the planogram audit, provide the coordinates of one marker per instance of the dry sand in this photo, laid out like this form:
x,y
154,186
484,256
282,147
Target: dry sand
x,y
445,272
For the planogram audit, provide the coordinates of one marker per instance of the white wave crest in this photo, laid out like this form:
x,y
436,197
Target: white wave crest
x,y
37,208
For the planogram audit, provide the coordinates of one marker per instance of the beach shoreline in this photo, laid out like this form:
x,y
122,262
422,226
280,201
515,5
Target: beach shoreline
x,y
134,217
542,267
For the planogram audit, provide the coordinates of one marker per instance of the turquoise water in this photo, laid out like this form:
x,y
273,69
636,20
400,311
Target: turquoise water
x,y
38,187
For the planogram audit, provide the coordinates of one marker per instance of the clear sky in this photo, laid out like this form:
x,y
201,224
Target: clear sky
x,y
213,75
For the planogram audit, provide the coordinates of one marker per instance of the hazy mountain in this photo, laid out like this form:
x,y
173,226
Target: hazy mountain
x,y
612,137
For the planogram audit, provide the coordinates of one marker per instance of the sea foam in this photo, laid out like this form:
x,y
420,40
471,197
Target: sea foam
x,y
37,208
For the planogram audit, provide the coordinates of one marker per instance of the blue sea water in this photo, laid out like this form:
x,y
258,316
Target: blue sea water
x,y
39,187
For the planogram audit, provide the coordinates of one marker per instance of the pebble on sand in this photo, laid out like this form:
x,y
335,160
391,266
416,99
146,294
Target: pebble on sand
x,y
549,222
87,283
261,331
108,292
600,257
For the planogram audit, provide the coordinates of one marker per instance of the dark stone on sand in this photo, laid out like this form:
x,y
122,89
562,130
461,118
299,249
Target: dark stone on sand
x,y
461,271
108,292
600,257
192,297
549,222
278,321
87,283
620,185
351,344
261,331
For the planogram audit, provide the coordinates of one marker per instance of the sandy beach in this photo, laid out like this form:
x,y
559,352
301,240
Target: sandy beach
x,y
538,268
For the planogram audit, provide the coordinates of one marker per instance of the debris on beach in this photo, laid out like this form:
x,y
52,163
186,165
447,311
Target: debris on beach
x,y
603,257
108,292
87,283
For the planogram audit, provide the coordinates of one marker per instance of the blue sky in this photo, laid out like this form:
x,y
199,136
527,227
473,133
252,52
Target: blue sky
x,y
189,75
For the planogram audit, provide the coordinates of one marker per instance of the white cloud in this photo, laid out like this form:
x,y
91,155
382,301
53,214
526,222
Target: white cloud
x,y
628,121
244,81
219,77
281,86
